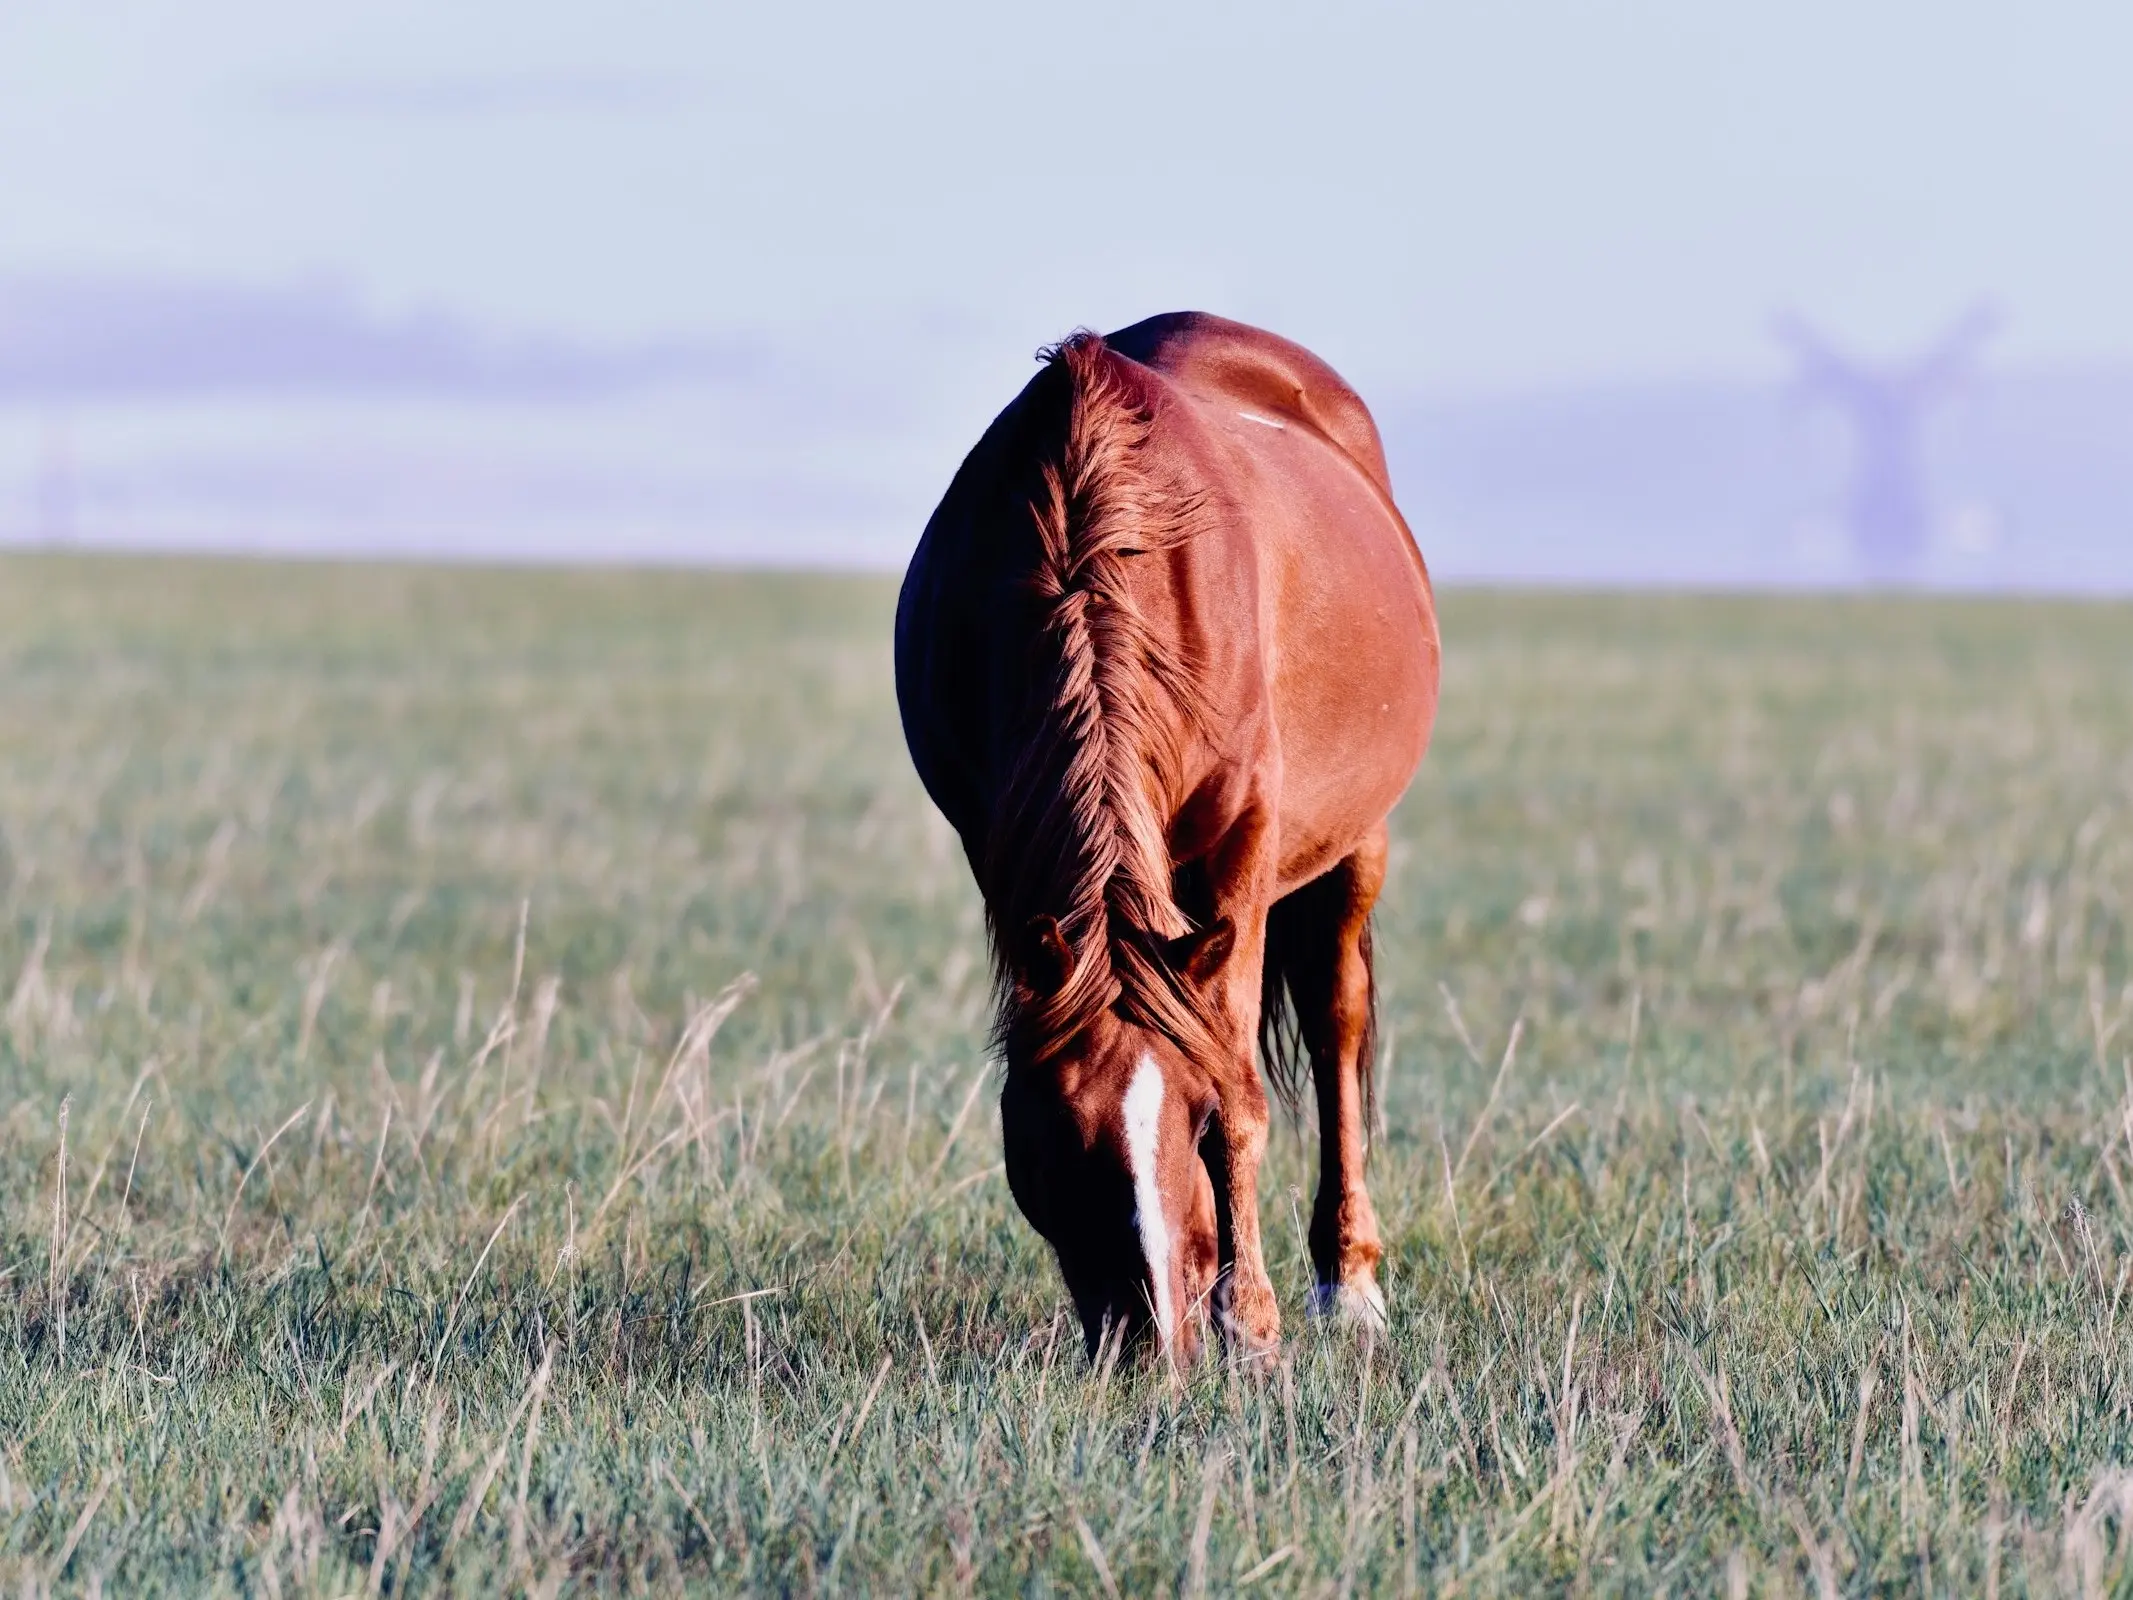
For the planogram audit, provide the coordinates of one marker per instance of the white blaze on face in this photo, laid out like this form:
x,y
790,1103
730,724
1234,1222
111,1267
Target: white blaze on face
x,y
1144,1111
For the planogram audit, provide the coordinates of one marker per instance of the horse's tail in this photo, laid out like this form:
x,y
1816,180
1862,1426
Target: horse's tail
x,y
1303,933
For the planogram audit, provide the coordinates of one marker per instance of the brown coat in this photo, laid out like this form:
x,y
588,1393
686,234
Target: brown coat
x,y
1167,656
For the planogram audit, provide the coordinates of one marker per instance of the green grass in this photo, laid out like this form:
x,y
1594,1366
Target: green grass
x,y
371,1213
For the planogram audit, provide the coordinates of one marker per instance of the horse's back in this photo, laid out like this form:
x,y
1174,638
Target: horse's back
x,y
1263,371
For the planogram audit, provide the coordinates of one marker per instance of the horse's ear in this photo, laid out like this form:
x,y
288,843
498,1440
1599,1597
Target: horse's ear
x,y
1199,955
1043,960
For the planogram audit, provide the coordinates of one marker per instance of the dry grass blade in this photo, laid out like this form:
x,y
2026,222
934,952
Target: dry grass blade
x,y
955,1128
493,1463
1728,1430
1095,1554
459,1304
1488,1109
1203,1525
1265,1568
222,1234
72,1541
1821,1564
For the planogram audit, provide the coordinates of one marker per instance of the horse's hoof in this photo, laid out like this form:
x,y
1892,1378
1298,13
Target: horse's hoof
x,y
1244,1348
1358,1303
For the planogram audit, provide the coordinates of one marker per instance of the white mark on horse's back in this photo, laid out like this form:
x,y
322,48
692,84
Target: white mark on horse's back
x,y
1264,422
1144,1110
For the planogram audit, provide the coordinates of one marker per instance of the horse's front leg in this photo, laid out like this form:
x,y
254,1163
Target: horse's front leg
x,y
1244,1305
1240,877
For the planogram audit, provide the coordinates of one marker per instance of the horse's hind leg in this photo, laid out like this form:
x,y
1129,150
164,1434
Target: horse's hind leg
x,y
1324,931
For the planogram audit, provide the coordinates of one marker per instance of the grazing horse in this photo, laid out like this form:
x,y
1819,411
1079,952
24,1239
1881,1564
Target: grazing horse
x,y
1166,658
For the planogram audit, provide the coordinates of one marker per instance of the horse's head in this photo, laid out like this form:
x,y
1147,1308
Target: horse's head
x,y
1108,1138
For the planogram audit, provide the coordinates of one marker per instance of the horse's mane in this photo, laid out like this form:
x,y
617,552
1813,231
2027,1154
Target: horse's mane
x,y
1075,832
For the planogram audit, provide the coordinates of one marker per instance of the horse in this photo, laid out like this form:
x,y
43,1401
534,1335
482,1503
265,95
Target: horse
x,y
1166,658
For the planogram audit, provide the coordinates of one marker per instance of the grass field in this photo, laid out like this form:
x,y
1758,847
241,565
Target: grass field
x,y
492,1067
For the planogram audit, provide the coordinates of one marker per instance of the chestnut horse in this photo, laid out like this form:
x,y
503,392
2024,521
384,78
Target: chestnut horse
x,y
1166,657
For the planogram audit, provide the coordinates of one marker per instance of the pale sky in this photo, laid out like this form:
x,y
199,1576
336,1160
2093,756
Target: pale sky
x,y
1433,193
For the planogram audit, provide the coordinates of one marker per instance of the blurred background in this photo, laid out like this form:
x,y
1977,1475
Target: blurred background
x,y
1825,294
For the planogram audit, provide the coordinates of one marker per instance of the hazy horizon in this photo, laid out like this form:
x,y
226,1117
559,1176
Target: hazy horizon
x,y
688,286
